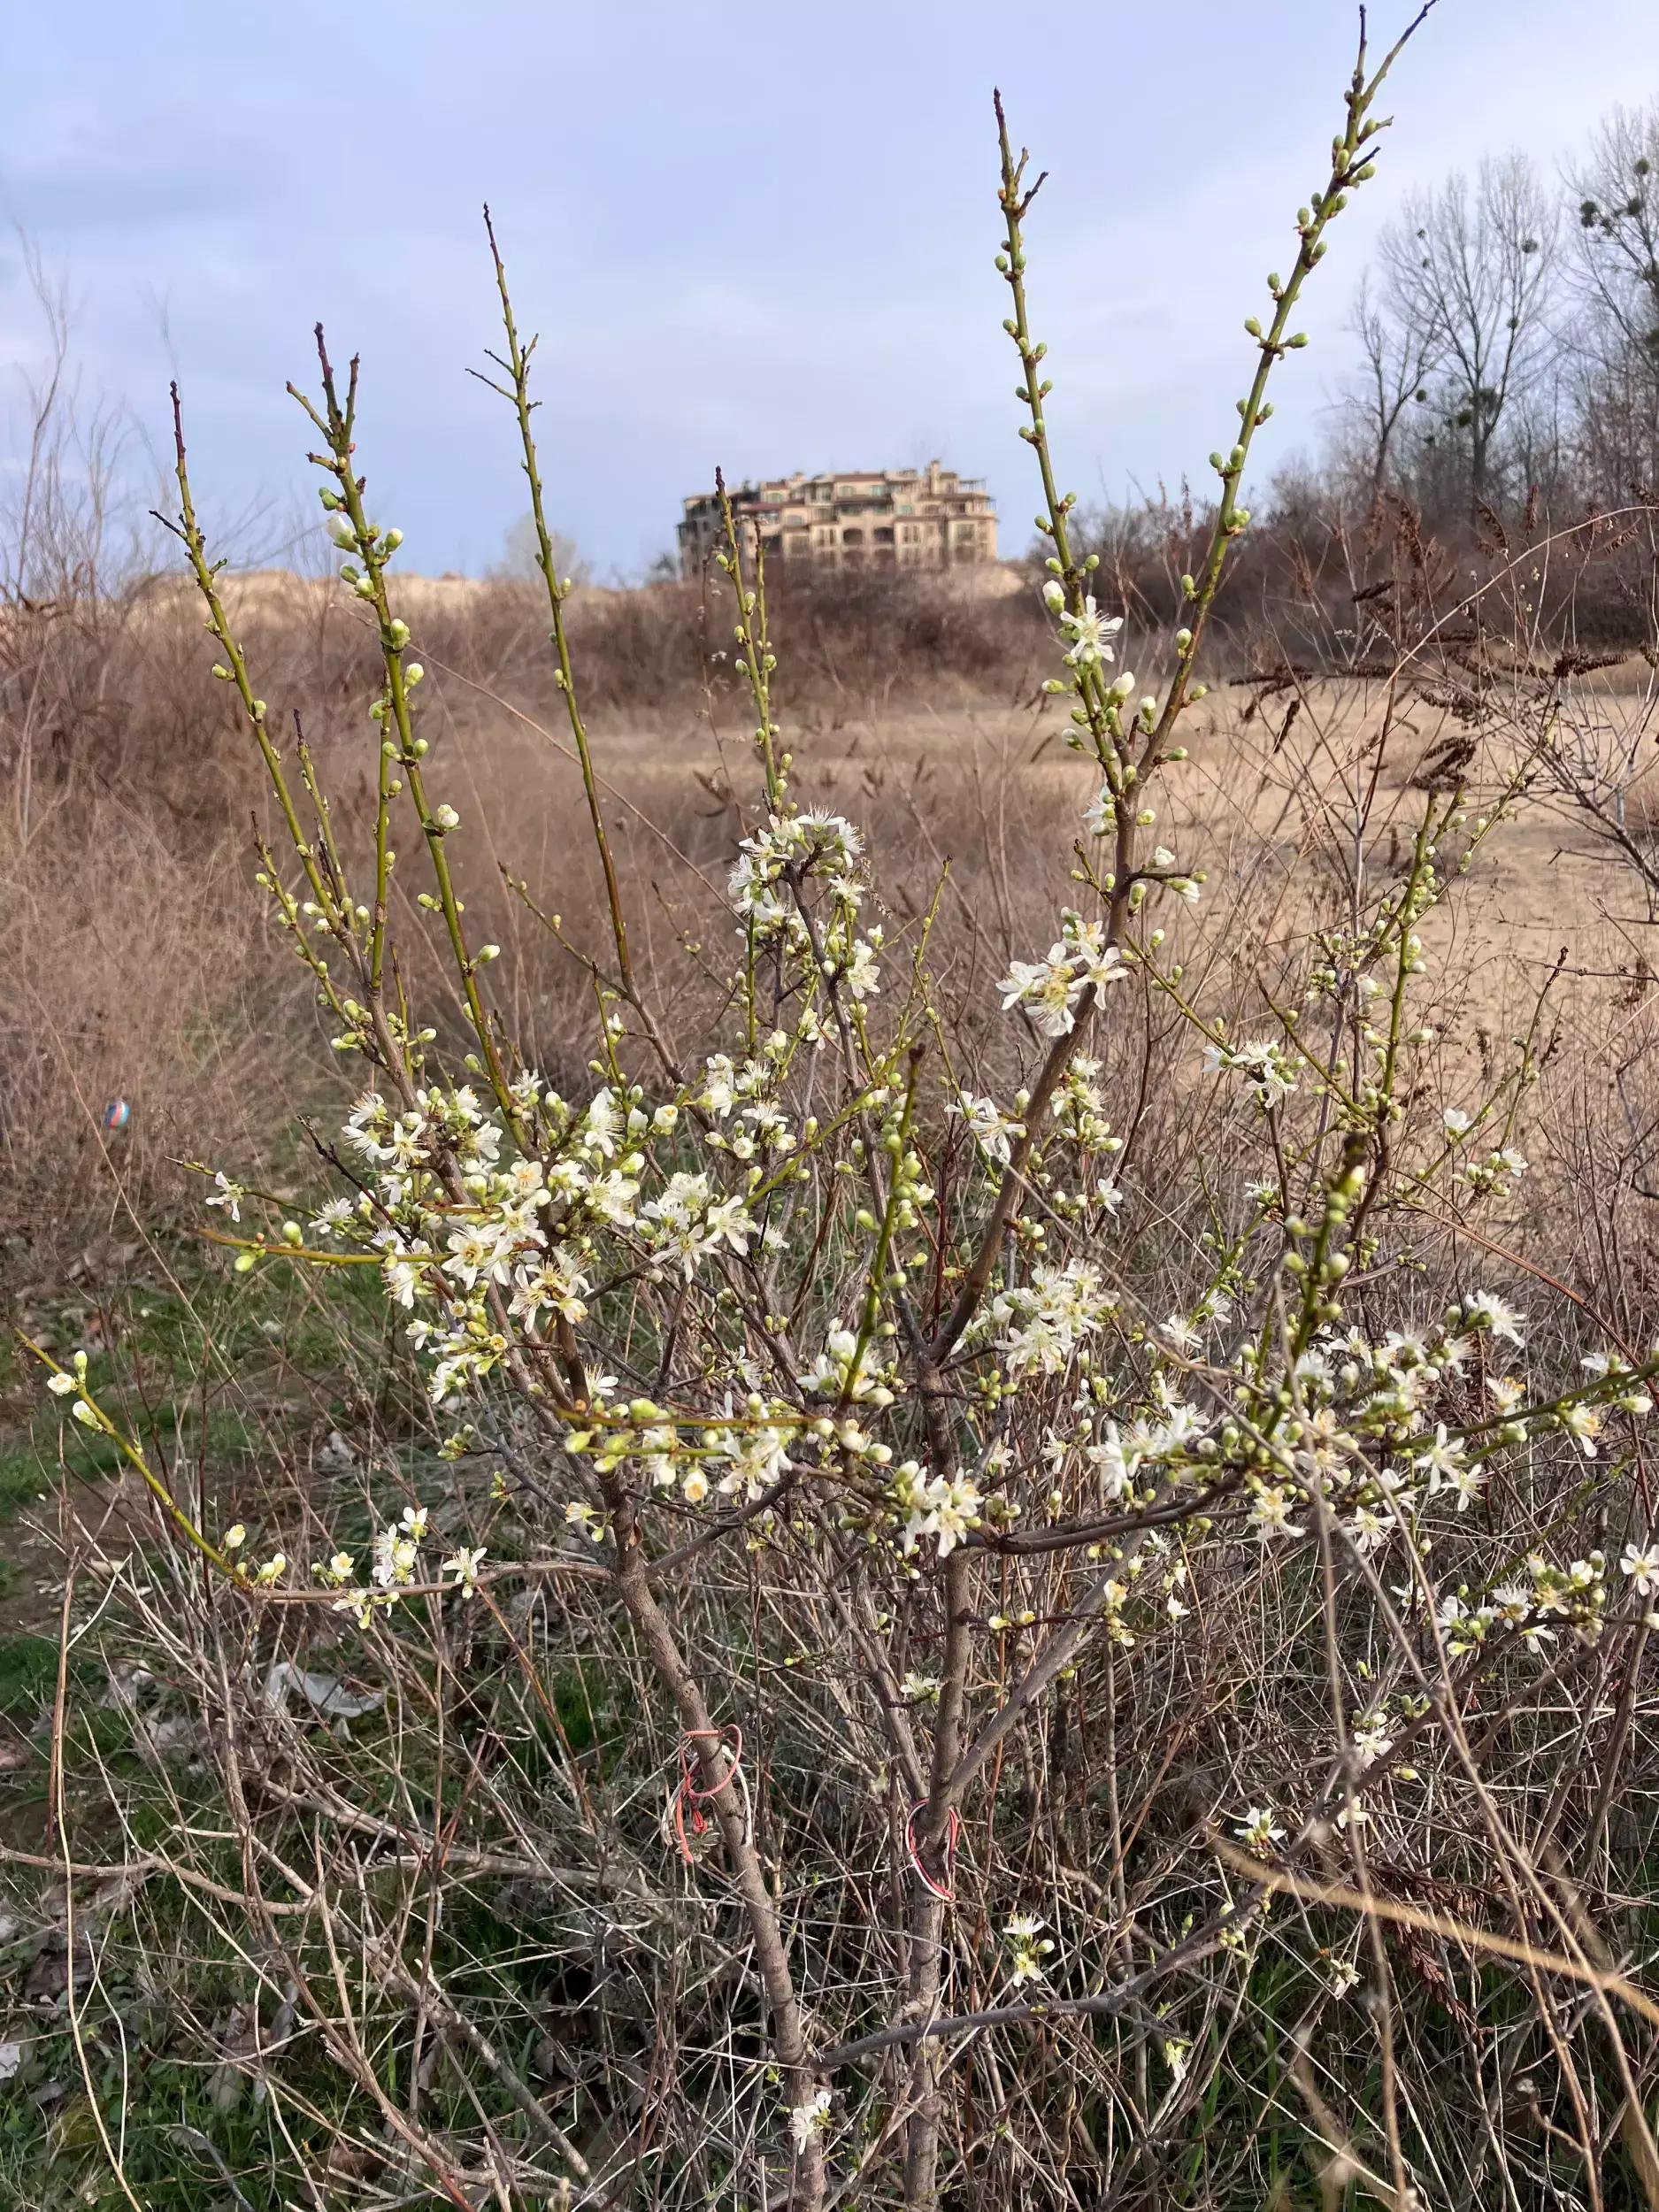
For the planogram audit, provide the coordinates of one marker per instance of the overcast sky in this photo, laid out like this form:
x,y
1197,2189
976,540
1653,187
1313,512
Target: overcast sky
x,y
760,236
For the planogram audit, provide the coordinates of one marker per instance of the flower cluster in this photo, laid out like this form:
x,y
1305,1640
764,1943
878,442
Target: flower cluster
x,y
1088,632
778,860
1267,1068
1037,1326
1050,989
944,1507
1029,1948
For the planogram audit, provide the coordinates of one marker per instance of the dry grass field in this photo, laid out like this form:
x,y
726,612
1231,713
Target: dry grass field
x,y
143,967
128,857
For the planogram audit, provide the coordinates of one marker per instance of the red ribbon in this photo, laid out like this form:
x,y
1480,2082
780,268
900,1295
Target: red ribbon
x,y
953,1829
689,1798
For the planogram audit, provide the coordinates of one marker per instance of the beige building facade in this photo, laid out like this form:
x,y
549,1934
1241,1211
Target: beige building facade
x,y
927,517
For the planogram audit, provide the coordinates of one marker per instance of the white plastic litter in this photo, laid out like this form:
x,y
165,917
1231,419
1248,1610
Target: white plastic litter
x,y
328,1698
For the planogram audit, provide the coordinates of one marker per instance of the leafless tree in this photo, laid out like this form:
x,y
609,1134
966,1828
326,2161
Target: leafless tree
x,y
1398,360
1614,280
1468,268
520,560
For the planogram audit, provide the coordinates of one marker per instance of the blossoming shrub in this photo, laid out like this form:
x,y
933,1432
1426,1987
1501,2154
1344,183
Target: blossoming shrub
x,y
857,1646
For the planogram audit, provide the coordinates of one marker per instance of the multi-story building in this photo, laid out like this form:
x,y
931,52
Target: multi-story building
x,y
927,517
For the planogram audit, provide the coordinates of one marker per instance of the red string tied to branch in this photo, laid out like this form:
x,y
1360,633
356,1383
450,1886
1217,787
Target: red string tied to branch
x,y
943,1890
688,1817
